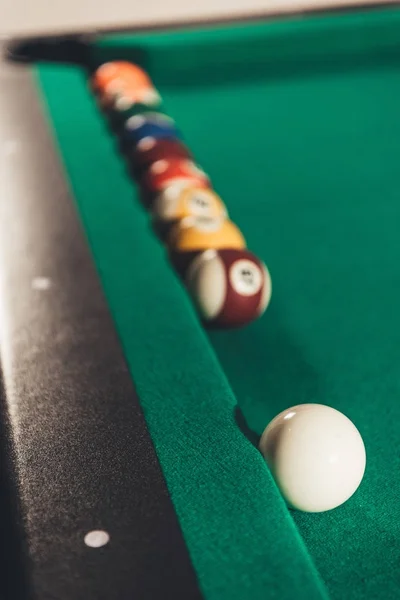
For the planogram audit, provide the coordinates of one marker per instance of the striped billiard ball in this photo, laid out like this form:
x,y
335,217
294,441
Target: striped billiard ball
x,y
230,288
176,204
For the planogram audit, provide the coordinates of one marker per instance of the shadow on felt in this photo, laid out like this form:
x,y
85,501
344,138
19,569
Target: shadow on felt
x,y
267,370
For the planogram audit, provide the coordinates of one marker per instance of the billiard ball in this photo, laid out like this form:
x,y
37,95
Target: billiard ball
x,y
121,84
316,455
118,118
201,233
192,236
150,150
149,125
174,204
174,172
230,288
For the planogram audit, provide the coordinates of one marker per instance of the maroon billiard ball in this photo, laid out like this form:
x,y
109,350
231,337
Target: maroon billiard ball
x,y
230,288
175,171
150,150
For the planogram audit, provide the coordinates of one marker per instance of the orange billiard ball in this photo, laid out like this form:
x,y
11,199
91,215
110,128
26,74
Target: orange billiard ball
x,y
120,84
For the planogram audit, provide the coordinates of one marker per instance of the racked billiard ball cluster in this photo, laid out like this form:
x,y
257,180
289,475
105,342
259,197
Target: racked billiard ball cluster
x,y
229,285
315,453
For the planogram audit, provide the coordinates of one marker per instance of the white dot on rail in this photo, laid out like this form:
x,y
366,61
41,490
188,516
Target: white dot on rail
x,y
41,283
96,538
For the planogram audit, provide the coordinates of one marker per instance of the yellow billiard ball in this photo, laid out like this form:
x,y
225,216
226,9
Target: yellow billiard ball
x,y
197,234
175,204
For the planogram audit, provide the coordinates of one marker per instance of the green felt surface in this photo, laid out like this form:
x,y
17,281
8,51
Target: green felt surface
x,y
297,122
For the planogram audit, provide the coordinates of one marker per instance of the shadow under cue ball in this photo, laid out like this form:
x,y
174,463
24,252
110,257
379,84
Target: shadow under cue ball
x,y
230,287
316,456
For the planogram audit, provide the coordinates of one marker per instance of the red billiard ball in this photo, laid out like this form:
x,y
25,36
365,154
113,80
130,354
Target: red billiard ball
x,y
230,288
150,150
175,171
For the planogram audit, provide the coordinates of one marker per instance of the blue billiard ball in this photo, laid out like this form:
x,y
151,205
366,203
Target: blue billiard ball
x,y
150,125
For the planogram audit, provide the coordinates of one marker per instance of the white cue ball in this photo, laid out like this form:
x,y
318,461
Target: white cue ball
x,y
316,456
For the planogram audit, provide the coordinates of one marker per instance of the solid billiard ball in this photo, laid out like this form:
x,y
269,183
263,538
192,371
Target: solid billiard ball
x,y
118,118
149,125
201,233
316,456
176,204
121,84
192,236
150,150
230,288
172,172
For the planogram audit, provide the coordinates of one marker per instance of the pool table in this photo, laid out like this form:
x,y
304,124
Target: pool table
x,y
121,411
